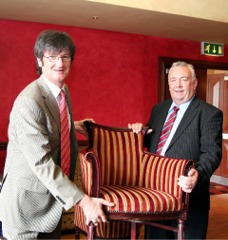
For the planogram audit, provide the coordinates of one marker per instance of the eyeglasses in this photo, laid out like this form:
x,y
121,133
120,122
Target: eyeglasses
x,y
56,58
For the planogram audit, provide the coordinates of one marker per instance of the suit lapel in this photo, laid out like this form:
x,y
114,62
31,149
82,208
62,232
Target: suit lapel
x,y
69,104
50,101
186,120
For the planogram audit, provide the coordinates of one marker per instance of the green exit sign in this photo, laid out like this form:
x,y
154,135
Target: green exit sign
x,y
212,49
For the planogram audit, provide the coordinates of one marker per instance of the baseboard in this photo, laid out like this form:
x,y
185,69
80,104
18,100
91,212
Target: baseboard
x,y
219,180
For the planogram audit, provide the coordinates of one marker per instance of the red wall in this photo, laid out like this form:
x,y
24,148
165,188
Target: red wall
x,y
114,77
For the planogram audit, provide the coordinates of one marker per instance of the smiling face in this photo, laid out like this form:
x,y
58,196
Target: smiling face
x,y
56,71
182,86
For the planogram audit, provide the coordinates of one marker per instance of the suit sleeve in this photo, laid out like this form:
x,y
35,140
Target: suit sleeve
x,y
210,145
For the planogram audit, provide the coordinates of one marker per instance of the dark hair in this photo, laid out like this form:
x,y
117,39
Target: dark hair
x,y
53,41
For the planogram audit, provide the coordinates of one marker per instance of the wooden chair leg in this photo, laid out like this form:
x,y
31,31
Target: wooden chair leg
x,y
91,231
77,233
180,233
133,230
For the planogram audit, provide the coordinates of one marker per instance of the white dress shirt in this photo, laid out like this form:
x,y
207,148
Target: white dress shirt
x,y
182,109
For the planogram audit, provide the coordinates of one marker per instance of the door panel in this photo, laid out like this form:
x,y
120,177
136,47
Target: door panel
x,y
225,105
224,163
217,88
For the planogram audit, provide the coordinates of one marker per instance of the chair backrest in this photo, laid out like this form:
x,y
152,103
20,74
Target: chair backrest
x,y
119,151
143,185
162,173
122,161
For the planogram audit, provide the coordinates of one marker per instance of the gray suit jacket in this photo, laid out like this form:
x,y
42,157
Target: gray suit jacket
x,y
35,189
198,137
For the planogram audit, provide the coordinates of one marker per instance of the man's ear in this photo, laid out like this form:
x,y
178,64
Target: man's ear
x,y
195,83
40,62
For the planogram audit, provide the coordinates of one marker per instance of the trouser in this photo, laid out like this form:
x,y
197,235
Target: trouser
x,y
195,227
12,233
0,228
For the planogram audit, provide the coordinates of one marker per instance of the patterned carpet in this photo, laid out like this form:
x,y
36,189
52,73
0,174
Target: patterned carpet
x,y
216,188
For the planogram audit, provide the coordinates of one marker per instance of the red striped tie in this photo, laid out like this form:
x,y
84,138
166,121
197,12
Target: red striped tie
x,y
166,130
65,134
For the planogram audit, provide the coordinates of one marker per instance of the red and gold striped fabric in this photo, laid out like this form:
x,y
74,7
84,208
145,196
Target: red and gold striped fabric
x,y
161,173
109,230
87,174
119,154
124,163
136,181
140,200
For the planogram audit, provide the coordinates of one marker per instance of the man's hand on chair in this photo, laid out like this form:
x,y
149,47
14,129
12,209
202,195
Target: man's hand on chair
x,y
92,208
138,127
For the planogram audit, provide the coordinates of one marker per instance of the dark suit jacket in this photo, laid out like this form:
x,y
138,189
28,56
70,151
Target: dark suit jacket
x,y
198,137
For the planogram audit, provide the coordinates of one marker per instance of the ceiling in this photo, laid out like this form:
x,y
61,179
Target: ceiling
x,y
204,20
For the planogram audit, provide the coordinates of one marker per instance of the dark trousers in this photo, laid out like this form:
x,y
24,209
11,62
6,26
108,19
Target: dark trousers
x,y
195,227
0,228
56,234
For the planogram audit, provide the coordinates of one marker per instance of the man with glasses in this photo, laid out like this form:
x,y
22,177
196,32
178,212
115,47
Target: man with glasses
x,y
196,134
35,188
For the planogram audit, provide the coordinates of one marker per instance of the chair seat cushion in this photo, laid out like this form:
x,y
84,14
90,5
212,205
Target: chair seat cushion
x,y
140,200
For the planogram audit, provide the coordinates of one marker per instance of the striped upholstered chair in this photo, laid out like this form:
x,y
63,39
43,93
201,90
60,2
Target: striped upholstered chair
x,y
142,185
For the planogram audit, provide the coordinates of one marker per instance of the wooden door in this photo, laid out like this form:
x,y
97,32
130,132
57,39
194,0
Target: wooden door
x,y
217,95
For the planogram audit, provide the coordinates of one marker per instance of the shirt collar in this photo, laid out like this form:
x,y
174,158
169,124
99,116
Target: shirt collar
x,y
182,106
53,88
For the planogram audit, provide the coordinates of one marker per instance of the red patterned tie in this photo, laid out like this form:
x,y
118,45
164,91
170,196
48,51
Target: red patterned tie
x,y
65,134
166,130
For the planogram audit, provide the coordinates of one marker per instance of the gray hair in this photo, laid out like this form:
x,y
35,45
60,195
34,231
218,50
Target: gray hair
x,y
184,64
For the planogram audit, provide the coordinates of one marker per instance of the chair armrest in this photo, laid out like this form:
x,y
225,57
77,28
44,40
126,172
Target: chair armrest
x,y
162,173
90,170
